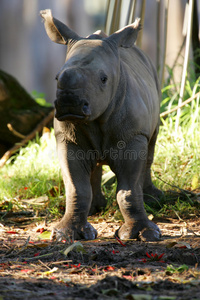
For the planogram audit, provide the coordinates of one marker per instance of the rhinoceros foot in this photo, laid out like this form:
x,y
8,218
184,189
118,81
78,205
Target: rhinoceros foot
x,y
148,232
69,232
152,196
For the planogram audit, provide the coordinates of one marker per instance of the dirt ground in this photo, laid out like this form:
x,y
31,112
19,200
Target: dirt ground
x,y
32,267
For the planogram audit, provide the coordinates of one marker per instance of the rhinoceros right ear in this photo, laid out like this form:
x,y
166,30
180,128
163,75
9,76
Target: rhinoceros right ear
x,y
56,30
126,36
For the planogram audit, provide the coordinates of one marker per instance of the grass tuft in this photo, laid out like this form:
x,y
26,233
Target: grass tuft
x,y
31,173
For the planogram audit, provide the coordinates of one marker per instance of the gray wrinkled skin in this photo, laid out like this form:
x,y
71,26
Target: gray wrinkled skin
x,y
107,112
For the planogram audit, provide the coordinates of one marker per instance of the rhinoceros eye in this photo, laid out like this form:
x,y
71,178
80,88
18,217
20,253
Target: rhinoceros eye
x,y
104,78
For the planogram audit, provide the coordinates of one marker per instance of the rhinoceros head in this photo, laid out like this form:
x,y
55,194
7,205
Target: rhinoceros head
x,y
88,80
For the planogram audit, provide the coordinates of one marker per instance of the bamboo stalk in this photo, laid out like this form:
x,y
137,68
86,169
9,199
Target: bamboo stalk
x,y
162,68
128,13
158,25
133,11
107,17
142,15
115,17
110,12
175,61
130,9
185,65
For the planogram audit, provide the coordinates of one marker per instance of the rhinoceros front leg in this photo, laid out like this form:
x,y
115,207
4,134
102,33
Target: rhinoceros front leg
x,y
152,195
130,176
78,197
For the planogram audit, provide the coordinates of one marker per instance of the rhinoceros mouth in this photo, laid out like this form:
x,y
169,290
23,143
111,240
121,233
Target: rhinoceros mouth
x,y
70,117
72,112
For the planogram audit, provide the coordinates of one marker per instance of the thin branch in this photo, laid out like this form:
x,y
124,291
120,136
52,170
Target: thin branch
x,y
182,191
29,137
15,132
179,106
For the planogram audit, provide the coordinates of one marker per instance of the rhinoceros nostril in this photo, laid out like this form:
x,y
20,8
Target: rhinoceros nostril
x,y
60,85
86,108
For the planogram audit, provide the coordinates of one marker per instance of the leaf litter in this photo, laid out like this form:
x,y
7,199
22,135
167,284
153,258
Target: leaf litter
x,y
32,266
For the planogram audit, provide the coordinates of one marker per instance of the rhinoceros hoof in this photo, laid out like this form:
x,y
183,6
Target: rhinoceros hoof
x,y
151,232
149,235
86,232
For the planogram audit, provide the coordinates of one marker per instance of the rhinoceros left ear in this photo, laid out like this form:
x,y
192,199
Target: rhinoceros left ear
x,y
126,36
56,30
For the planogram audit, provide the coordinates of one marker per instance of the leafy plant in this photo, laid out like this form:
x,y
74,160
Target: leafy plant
x,y
32,172
171,269
40,99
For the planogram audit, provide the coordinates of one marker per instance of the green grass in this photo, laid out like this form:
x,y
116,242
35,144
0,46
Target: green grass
x,y
35,172
32,173
177,154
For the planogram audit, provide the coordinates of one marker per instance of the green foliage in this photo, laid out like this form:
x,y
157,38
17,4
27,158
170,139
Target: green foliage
x,y
171,269
40,99
31,173
177,155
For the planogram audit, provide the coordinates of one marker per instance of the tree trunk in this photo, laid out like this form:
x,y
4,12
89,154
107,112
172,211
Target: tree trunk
x,y
18,109
195,41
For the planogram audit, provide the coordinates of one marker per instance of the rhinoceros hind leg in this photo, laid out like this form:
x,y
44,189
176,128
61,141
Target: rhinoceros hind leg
x,y
98,199
152,195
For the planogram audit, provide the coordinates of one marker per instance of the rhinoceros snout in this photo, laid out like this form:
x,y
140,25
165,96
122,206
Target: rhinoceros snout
x,y
67,109
71,78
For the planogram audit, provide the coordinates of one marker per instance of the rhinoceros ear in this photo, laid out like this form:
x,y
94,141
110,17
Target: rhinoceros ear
x,y
56,30
126,36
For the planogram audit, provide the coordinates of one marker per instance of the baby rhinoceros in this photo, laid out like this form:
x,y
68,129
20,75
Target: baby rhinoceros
x,y
107,112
